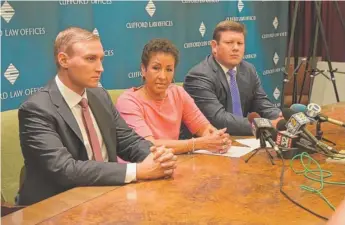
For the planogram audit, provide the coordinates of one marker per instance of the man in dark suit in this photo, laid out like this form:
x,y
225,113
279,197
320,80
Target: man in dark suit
x,y
71,134
225,87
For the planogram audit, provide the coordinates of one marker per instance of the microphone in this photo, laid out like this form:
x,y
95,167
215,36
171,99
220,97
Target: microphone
x,y
284,138
281,125
298,108
296,122
262,127
258,124
287,140
292,145
313,110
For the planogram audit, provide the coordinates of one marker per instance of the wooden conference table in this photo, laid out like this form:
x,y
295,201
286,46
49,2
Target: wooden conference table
x,y
204,190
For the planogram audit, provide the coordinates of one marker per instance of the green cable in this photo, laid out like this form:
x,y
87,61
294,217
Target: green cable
x,y
317,175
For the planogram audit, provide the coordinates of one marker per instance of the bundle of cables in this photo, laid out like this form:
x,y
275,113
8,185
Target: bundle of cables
x,y
318,175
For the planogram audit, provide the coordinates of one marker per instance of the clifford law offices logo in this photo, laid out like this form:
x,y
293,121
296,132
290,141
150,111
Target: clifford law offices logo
x,y
276,93
7,13
249,56
12,74
202,29
240,7
84,2
275,60
135,74
275,24
199,1
197,44
151,9
107,52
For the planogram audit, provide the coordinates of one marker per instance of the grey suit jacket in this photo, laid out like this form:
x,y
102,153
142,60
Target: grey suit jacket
x,y
207,84
53,149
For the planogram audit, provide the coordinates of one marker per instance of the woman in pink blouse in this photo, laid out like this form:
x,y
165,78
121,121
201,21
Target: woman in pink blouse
x,y
156,109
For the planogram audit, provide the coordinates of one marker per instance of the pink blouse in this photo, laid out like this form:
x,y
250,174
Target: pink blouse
x,y
161,119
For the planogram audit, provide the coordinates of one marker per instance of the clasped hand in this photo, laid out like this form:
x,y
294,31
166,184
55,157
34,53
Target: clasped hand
x,y
218,141
161,162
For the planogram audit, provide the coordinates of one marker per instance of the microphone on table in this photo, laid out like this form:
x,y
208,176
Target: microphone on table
x,y
290,144
298,108
262,127
296,125
313,110
288,140
283,138
280,126
296,121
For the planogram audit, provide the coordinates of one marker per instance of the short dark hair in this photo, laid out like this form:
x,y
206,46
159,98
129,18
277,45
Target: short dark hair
x,y
159,45
228,25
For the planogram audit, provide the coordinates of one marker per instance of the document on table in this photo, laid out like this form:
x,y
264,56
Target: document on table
x,y
234,151
251,142
237,151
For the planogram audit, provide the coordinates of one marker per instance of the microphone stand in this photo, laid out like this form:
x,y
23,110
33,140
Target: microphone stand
x,y
323,37
262,146
287,62
319,133
312,51
295,76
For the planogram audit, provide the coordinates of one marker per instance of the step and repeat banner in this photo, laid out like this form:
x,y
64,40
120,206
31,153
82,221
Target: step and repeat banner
x,y
29,28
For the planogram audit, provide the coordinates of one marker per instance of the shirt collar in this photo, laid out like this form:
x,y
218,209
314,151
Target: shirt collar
x,y
72,99
225,69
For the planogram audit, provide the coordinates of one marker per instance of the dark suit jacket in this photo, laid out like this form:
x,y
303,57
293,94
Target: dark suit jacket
x,y
207,84
53,149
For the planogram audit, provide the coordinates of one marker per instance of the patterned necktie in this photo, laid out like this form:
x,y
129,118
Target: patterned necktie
x,y
90,130
235,94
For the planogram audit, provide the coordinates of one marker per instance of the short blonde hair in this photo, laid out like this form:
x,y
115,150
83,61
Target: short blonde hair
x,y
228,25
66,38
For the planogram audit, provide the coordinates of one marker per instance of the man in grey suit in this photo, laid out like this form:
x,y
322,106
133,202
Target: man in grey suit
x,y
71,134
225,87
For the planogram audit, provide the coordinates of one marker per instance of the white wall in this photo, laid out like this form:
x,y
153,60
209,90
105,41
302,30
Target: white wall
x,y
323,91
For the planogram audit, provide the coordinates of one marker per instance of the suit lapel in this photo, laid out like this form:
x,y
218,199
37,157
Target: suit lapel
x,y
225,83
103,119
220,74
63,109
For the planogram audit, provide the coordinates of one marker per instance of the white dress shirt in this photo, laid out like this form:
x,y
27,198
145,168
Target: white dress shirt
x,y
72,99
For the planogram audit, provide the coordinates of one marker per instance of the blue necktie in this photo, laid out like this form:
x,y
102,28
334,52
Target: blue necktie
x,y
235,94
